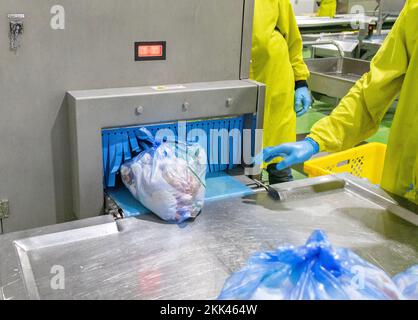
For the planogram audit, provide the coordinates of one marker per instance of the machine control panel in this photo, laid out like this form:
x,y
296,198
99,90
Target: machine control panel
x,y
149,51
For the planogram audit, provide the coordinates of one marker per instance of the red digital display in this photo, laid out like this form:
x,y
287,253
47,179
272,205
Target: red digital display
x,y
150,51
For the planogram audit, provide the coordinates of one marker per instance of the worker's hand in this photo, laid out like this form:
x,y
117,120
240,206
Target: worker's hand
x,y
292,153
303,101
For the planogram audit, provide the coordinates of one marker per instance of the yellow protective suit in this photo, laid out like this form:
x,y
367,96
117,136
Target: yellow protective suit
x,y
277,62
328,8
394,71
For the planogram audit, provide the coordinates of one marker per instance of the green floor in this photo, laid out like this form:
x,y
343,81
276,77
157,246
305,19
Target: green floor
x,y
321,110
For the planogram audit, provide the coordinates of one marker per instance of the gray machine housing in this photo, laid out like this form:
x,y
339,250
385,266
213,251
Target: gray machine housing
x,y
93,110
94,49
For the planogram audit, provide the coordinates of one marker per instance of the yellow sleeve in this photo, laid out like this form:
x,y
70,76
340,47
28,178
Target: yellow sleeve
x,y
360,113
288,27
328,8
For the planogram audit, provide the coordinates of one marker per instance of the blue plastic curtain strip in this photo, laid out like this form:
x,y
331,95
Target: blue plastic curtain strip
x,y
122,144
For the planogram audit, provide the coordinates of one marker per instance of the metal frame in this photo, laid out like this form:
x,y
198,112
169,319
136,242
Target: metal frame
x,y
93,110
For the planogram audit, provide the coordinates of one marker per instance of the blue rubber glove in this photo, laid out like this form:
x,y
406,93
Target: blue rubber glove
x,y
292,153
303,101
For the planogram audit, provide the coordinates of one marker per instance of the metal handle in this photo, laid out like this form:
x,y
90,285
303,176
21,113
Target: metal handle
x,y
273,193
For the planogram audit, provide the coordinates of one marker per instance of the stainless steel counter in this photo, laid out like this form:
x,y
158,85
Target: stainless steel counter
x,y
349,42
144,258
338,20
335,77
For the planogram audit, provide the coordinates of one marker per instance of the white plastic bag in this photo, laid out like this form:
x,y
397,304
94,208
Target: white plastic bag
x,y
169,180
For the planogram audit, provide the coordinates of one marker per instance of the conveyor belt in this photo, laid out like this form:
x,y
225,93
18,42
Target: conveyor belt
x,y
219,186
145,258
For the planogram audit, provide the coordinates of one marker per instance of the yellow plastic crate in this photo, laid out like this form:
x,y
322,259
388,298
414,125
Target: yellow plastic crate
x,y
366,161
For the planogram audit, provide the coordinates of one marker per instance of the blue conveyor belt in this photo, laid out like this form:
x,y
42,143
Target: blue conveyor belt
x,y
219,186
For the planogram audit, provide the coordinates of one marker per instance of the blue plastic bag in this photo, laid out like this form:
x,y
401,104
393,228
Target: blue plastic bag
x,y
168,178
315,271
407,283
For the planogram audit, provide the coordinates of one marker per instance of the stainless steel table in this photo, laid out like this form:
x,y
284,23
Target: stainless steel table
x,y
144,258
339,20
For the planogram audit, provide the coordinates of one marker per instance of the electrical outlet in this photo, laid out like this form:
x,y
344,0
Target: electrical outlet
x,y
4,209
